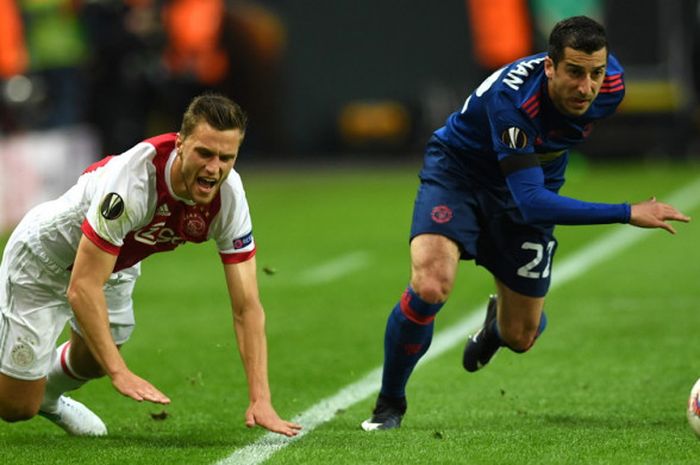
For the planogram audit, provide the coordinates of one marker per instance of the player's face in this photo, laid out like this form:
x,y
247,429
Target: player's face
x,y
575,81
205,159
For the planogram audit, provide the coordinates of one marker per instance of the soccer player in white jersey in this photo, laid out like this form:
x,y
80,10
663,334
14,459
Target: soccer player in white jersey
x,y
75,259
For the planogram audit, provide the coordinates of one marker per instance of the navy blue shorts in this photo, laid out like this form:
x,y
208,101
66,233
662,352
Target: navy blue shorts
x,y
483,220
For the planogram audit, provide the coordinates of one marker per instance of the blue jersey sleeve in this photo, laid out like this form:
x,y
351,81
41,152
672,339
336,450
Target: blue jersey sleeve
x,y
542,206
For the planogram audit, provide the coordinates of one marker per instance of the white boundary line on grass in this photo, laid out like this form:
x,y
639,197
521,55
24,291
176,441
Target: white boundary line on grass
x,y
685,199
335,269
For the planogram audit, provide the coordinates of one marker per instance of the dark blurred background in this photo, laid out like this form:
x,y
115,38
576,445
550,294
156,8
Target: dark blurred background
x,y
321,80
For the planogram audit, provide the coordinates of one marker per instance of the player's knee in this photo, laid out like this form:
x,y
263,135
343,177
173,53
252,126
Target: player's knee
x,y
432,290
13,413
522,344
518,338
415,309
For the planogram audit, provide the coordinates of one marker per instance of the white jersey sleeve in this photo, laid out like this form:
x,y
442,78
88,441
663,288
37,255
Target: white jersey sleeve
x,y
232,229
122,193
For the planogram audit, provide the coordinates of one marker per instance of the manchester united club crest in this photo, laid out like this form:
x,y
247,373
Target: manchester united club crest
x,y
441,214
193,226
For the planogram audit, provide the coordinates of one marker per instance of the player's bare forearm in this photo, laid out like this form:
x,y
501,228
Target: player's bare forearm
x,y
249,324
252,345
90,312
654,214
91,270
85,294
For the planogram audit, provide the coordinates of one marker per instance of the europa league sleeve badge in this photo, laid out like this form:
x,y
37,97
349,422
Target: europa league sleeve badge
x,y
112,206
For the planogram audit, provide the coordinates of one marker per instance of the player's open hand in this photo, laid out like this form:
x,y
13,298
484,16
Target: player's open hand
x,y
130,385
653,214
263,414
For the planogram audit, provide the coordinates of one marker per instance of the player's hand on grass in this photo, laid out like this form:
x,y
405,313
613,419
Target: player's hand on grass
x,y
653,214
130,385
263,414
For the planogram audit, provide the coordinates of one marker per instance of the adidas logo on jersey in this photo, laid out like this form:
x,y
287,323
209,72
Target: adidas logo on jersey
x,y
163,210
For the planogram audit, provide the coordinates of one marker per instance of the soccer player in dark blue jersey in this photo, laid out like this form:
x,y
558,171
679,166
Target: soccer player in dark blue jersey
x,y
489,192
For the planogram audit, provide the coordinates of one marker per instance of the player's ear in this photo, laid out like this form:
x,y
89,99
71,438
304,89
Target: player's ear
x,y
548,67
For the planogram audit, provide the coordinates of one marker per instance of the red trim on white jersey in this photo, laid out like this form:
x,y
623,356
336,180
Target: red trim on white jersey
x,y
98,164
231,258
97,240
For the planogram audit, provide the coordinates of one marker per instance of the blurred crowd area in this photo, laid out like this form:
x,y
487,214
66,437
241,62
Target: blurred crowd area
x,y
128,68
318,77
323,81
314,76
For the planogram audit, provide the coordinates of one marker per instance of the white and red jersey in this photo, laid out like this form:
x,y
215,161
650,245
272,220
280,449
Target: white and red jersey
x,y
125,205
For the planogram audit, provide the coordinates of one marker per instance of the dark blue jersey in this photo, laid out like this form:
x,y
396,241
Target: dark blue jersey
x,y
510,134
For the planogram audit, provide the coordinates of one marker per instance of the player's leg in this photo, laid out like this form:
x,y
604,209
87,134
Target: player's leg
x,y
484,344
74,364
20,399
512,319
520,318
519,256
21,379
409,329
31,318
25,361
444,229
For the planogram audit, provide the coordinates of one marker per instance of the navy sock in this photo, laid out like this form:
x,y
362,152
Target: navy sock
x,y
542,326
492,335
409,332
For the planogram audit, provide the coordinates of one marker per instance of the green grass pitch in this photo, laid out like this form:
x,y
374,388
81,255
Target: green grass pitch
x,y
606,384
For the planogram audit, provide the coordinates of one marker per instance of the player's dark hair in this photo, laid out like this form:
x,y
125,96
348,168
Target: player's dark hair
x,y
220,112
578,32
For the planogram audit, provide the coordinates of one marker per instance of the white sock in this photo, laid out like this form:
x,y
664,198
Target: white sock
x,y
61,378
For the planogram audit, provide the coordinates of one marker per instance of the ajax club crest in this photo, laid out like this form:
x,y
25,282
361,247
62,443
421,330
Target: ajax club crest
x,y
193,226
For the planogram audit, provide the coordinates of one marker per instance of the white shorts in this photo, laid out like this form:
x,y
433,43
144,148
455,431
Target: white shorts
x,y
34,309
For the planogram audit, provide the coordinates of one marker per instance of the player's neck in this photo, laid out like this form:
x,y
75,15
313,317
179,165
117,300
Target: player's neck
x,y
177,182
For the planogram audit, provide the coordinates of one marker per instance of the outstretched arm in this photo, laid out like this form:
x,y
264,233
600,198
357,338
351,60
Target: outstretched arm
x,y
91,270
539,205
653,214
249,324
